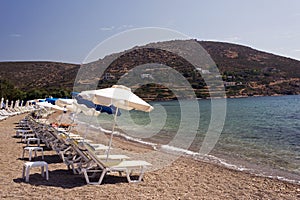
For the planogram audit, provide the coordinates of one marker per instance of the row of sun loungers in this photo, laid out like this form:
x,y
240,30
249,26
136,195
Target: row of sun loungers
x,y
81,155
5,113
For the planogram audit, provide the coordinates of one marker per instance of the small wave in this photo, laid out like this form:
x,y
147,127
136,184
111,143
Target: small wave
x,y
138,140
125,136
173,149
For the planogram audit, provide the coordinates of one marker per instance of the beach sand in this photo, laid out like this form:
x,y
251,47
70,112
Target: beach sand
x,y
183,179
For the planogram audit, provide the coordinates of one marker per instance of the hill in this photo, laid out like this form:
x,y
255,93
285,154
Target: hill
x,y
28,80
245,71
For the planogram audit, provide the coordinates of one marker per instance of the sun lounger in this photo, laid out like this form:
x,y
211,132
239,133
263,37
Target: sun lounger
x,y
102,166
3,117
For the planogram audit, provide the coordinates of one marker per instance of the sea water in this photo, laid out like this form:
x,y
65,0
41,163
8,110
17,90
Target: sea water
x,y
260,135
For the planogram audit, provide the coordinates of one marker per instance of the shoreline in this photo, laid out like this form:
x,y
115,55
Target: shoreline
x,y
183,179
120,138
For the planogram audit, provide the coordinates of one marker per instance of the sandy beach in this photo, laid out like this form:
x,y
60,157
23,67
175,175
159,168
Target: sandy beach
x,y
183,179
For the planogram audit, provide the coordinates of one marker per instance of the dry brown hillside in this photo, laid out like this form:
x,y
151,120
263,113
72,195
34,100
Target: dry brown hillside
x,y
249,71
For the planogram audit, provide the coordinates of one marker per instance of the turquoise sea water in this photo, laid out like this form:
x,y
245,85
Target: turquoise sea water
x,y
260,135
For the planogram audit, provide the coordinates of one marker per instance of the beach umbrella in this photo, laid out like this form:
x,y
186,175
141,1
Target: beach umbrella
x,y
73,106
51,100
45,104
49,105
77,107
11,105
29,104
64,102
6,104
69,104
90,111
16,104
2,103
101,108
119,96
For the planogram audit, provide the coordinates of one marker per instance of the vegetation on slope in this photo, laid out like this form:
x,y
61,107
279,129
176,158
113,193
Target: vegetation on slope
x,y
245,72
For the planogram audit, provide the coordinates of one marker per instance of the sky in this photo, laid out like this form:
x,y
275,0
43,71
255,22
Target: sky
x,y
67,30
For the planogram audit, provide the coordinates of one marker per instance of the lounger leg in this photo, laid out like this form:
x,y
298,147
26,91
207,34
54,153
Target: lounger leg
x,y
42,171
128,176
35,153
86,176
102,176
30,154
47,173
140,176
42,154
73,168
27,173
23,173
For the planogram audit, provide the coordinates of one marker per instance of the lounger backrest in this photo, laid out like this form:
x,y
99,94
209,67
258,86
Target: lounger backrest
x,y
80,151
102,164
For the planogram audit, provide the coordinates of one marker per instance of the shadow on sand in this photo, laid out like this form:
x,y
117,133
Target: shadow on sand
x,y
66,179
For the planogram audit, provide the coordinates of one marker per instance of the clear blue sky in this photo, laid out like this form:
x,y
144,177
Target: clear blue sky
x,y
67,30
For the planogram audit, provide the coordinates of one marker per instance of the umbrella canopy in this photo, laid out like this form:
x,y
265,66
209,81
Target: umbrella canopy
x,y
22,102
16,104
11,104
64,102
51,100
49,105
74,106
89,104
6,104
119,96
2,104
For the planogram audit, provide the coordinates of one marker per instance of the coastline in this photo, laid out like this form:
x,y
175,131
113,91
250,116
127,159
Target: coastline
x,y
183,179
124,142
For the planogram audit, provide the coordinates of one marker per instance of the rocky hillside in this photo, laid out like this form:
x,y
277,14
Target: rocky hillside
x,y
29,80
245,71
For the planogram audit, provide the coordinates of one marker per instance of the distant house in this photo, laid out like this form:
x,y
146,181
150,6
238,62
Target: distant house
x,y
149,76
203,71
108,76
228,84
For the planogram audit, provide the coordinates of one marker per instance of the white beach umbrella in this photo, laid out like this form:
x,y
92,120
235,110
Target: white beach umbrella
x,y
85,109
121,97
73,106
16,104
2,103
6,104
64,102
49,105
11,104
22,102
27,104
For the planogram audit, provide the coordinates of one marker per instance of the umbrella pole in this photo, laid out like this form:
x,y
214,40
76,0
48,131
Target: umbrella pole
x,y
112,133
60,119
88,125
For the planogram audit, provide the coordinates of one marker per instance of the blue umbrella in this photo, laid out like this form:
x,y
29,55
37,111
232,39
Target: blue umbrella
x,y
103,109
51,100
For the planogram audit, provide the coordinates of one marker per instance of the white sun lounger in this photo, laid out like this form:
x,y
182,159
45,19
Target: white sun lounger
x,y
102,166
